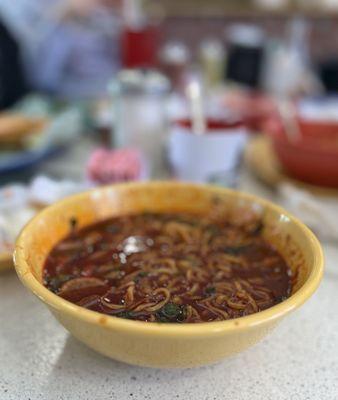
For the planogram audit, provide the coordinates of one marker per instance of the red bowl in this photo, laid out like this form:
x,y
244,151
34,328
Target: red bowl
x,y
314,157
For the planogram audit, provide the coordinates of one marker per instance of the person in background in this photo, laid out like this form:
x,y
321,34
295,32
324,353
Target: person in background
x,y
12,82
70,47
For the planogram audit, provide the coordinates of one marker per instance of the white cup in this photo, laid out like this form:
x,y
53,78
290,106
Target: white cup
x,y
203,158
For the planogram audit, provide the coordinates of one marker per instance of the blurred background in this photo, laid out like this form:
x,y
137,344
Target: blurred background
x,y
240,94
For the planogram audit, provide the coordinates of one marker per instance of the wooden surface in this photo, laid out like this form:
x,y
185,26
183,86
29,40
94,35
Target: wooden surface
x,y
6,261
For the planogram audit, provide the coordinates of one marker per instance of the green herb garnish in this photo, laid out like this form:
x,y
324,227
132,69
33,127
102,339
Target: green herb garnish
x,y
171,312
210,290
140,275
125,314
236,250
55,283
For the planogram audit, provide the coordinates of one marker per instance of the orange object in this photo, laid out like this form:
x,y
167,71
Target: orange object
x,y
313,158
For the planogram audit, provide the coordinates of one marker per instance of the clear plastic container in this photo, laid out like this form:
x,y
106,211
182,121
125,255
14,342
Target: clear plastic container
x,y
139,102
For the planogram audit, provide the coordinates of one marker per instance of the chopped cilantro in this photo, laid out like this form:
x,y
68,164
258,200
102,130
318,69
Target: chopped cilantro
x,y
55,283
210,290
171,312
125,314
236,250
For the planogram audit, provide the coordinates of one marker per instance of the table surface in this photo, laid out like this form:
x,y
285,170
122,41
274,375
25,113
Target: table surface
x,y
40,360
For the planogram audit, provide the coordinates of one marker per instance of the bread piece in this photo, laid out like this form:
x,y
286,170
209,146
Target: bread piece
x,y
15,128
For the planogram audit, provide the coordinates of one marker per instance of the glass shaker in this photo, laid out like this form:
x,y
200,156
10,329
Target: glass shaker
x,y
139,102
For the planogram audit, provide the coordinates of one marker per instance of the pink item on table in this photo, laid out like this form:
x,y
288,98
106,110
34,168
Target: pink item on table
x,y
111,166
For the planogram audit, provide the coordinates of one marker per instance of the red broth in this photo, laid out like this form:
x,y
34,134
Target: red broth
x,y
168,268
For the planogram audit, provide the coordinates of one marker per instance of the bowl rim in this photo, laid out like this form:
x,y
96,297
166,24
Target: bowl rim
x,y
175,329
306,145
305,148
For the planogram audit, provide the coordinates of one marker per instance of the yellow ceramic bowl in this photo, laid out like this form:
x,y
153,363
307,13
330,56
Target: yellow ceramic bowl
x,y
166,345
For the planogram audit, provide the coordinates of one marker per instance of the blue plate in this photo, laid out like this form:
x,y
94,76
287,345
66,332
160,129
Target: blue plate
x,y
17,161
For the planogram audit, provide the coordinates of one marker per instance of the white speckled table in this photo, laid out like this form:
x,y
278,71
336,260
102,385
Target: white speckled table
x,y
40,360
298,361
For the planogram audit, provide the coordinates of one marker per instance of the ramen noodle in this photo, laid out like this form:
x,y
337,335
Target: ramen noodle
x,y
180,268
